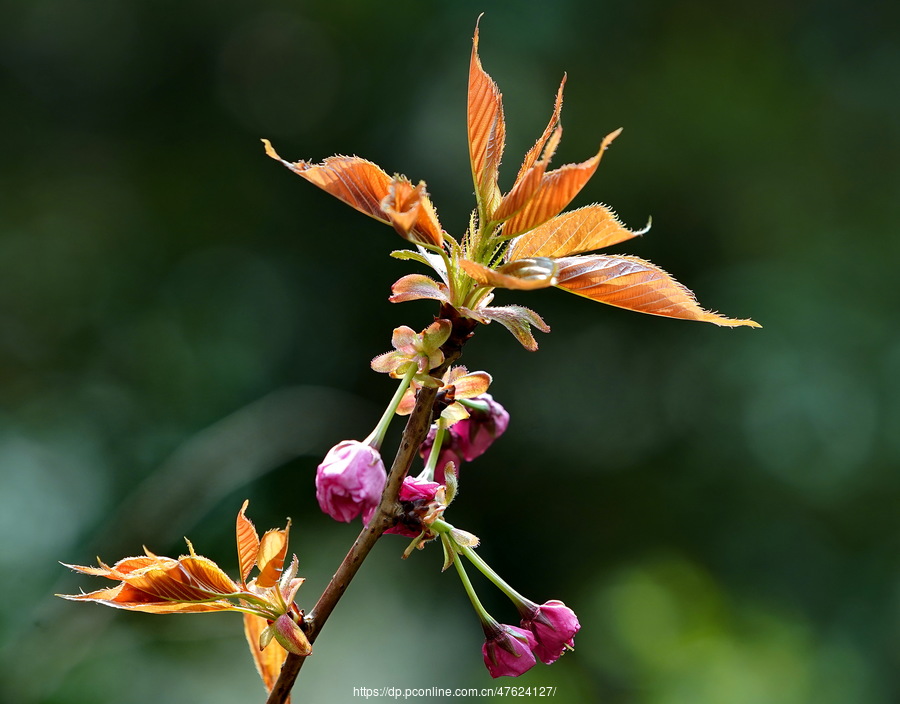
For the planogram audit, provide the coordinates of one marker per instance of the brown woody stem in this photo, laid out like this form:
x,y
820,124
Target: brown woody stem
x,y
388,511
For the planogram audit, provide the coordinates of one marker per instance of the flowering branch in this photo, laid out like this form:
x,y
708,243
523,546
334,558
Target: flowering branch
x,y
521,240
388,512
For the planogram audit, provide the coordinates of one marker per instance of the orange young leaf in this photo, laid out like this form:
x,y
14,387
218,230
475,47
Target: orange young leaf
x,y
556,191
359,183
472,384
635,284
583,230
268,660
190,578
522,275
521,194
531,174
272,550
486,130
247,542
553,128
162,585
411,213
366,187
124,596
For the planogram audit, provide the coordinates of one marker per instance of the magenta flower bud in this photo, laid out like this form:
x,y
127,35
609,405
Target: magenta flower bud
x,y
507,650
350,481
475,434
414,488
554,626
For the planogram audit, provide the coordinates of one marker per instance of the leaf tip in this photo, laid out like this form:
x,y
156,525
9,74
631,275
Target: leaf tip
x,y
270,150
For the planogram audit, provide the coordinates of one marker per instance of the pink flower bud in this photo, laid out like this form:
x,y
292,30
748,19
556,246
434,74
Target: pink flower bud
x,y
554,626
414,488
507,650
350,481
475,434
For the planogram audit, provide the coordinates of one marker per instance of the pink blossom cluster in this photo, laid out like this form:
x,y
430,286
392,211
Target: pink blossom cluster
x,y
350,481
546,632
468,438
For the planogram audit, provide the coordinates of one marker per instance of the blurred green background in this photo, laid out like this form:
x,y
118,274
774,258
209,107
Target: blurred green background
x,y
185,324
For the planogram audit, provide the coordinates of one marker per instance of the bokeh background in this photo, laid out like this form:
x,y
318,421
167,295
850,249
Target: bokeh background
x,y
185,324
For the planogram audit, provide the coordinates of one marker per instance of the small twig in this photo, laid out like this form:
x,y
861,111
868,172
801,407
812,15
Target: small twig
x,y
387,513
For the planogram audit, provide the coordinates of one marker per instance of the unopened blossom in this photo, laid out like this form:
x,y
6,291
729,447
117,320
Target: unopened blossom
x,y
508,650
554,626
290,636
472,436
349,481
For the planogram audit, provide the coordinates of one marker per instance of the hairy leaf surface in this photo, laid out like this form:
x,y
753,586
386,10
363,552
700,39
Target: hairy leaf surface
x,y
583,230
486,129
247,542
635,284
557,189
522,275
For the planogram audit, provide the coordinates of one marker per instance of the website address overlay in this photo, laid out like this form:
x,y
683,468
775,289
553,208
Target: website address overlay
x,y
417,692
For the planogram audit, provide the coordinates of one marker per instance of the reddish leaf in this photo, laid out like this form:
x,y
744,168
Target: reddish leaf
x,y
191,578
247,542
553,128
582,230
472,384
556,191
272,550
355,181
517,319
635,284
531,174
523,275
268,660
522,192
411,213
124,596
120,569
414,287
486,130
366,187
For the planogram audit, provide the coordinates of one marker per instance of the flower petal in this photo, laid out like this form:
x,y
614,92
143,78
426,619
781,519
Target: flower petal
x,y
583,230
635,284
